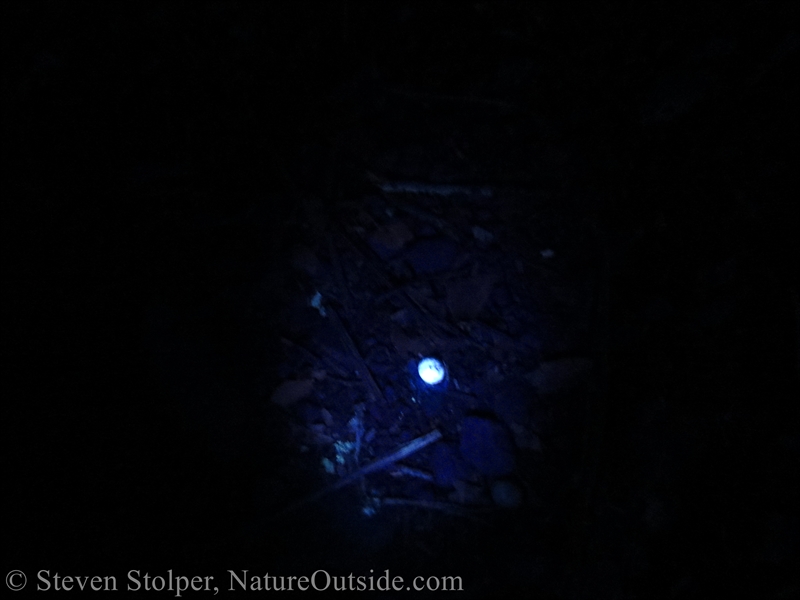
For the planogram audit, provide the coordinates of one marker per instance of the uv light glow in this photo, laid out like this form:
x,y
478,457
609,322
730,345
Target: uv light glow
x,y
431,371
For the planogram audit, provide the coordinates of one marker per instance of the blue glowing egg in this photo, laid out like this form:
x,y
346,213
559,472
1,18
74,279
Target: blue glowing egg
x,y
431,371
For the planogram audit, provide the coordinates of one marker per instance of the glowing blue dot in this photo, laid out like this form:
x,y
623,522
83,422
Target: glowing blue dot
x,y
431,371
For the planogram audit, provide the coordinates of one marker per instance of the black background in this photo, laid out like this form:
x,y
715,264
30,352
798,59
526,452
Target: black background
x,y
109,108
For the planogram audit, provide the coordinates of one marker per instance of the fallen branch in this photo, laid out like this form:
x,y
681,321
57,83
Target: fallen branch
x,y
408,449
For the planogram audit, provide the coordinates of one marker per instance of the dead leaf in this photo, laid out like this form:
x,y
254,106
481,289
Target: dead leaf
x,y
290,392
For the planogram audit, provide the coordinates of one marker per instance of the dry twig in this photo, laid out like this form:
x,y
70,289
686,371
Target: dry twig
x,y
408,449
364,371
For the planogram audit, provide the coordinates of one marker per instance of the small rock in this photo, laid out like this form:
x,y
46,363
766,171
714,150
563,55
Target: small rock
x,y
483,236
316,302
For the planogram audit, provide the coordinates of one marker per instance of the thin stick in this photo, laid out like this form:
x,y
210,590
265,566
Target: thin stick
x,y
473,513
401,470
410,448
431,189
364,371
338,273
